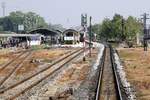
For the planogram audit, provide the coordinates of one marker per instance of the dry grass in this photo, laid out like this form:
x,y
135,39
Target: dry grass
x,y
72,76
5,56
44,54
4,51
3,60
137,67
78,71
26,68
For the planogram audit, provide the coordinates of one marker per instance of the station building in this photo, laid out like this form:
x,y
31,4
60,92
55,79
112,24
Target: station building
x,y
71,36
50,36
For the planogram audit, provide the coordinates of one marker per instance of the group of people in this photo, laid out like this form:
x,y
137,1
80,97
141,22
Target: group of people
x,y
11,42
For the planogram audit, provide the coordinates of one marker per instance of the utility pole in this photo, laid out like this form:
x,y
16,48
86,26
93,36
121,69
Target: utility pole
x,y
122,25
3,7
145,17
90,37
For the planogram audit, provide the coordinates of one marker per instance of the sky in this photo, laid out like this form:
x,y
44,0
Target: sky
x,y
68,12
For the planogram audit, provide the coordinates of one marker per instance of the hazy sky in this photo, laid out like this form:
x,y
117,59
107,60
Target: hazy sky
x,y
68,12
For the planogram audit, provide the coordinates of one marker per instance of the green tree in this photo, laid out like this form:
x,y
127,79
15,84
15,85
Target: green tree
x,y
30,21
118,29
33,21
17,18
6,24
106,29
132,27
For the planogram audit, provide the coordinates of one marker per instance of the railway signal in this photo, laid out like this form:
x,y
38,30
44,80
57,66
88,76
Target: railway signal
x,y
84,25
83,20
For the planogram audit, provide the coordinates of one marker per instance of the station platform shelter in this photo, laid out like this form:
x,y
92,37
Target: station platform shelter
x,y
11,40
50,36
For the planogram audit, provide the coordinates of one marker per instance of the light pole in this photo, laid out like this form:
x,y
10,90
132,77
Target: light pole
x,y
90,33
3,7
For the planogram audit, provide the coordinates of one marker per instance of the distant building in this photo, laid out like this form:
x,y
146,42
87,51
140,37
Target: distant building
x,y
50,36
71,36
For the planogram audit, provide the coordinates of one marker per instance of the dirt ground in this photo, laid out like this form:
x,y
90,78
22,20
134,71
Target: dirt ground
x,y
36,58
6,55
137,67
44,56
73,77
47,55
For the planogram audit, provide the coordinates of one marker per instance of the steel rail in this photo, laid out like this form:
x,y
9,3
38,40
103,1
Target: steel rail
x,y
40,80
33,75
16,66
100,76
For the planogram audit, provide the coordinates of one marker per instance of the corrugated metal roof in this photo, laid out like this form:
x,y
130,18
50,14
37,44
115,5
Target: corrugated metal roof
x,y
19,35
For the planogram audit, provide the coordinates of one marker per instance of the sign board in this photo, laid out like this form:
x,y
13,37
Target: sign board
x,y
20,27
68,38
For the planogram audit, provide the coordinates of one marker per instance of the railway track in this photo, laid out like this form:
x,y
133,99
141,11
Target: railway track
x,y
11,61
12,66
108,87
15,90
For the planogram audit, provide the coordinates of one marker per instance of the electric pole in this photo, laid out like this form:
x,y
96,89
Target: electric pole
x,y
122,25
145,17
90,33
3,7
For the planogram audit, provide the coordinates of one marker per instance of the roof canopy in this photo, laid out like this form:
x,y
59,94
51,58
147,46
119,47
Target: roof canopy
x,y
45,32
19,35
70,30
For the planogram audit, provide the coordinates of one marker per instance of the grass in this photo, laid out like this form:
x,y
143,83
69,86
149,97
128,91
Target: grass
x,y
137,67
38,47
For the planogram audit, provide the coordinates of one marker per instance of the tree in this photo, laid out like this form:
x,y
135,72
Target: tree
x,y
17,18
6,24
118,28
133,26
30,21
96,30
33,21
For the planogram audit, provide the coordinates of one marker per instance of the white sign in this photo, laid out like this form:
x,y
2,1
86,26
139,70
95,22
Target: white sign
x,y
20,27
68,38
